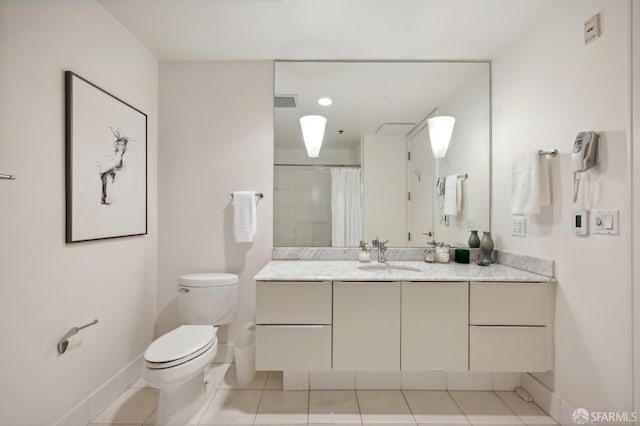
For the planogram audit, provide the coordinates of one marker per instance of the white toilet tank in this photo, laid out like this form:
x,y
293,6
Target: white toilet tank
x,y
208,298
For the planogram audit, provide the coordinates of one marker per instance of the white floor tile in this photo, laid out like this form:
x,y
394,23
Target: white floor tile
x,y
484,408
140,383
115,424
528,412
342,424
434,407
283,407
274,380
133,406
232,406
384,407
151,420
295,380
332,407
424,380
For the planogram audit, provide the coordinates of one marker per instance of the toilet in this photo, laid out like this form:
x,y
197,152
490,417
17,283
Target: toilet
x,y
177,362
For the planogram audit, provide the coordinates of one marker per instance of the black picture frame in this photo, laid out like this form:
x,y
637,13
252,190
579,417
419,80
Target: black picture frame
x,y
106,195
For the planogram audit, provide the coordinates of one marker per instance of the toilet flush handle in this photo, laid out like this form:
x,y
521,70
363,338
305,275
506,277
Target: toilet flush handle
x,y
183,290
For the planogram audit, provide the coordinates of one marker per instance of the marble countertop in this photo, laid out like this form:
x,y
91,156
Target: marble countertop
x,y
348,270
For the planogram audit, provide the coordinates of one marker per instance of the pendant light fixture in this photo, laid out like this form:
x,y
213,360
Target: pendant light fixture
x,y
440,130
313,132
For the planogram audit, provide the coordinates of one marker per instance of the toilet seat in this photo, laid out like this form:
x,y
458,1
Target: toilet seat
x,y
179,346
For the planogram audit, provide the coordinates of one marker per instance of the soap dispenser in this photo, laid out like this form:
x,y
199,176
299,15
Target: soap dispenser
x,y
364,255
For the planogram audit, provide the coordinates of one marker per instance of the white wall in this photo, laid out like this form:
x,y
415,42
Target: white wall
x,y
469,152
547,87
636,201
48,286
384,183
216,137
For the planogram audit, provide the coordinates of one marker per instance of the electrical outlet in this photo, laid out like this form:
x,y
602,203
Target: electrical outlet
x,y
519,227
592,29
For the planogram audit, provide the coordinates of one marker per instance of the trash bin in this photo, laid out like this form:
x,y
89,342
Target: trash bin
x,y
245,354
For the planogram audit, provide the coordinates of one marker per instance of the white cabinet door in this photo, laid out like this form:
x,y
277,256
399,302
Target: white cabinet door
x,y
366,326
435,326
293,347
513,349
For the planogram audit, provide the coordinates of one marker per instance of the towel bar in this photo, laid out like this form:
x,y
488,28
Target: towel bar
x,y
551,153
258,194
7,177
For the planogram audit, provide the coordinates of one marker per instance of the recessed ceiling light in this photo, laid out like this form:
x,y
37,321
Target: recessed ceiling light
x,y
325,101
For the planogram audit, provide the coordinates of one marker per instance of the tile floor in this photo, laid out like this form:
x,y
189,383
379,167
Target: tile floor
x,y
263,402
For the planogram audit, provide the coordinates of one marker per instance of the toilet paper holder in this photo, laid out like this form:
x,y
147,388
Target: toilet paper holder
x,y
63,344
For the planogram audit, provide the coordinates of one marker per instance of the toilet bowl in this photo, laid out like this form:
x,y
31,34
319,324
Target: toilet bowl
x,y
176,363
179,355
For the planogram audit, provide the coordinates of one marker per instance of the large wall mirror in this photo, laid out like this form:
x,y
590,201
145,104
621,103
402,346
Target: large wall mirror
x,y
375,173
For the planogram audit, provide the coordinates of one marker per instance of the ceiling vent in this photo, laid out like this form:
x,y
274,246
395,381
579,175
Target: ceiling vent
x,y
285,101
394,128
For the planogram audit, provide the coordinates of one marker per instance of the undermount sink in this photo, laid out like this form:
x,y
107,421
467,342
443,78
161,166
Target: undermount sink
x,y
385,267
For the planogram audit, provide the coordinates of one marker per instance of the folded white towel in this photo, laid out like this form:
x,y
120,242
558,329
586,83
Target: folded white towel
x,y
530,185
452,196
244,216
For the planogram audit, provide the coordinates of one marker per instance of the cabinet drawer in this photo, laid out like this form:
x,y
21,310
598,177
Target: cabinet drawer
x,y
513,349
293,302
509,303
293,347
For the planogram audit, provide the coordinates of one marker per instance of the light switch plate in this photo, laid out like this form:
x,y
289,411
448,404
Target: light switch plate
x,y
519,226
606,222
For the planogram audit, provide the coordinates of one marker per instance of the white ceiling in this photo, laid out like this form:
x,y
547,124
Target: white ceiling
x,y
327,29
365,95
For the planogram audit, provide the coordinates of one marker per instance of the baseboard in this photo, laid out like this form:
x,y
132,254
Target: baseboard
x,y
557,408
427,380
94,403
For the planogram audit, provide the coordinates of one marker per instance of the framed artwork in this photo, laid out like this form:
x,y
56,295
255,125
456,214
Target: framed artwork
x,y
106,164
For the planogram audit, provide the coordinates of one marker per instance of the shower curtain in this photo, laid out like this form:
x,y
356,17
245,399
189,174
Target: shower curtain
x,y
346,207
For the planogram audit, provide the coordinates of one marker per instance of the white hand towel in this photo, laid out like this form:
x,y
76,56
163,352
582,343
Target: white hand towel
x,y
452,196
244,216
529,185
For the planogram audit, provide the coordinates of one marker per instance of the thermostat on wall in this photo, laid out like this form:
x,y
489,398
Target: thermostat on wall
x,y
581,222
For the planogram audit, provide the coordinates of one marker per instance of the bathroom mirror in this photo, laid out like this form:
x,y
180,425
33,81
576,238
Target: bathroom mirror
x,y
375,174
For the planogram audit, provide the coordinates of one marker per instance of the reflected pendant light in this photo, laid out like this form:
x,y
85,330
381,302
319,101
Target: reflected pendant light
x,y
440,130
313,132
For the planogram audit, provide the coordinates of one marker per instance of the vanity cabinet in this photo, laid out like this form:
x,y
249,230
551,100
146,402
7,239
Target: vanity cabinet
x,y
293,325
404,326
435,326
366,326
510,327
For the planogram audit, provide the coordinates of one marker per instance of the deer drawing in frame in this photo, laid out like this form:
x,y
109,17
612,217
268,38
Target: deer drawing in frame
x,y
113,166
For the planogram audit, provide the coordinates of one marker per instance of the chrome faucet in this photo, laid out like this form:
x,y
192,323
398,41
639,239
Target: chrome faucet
x,y
382,249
